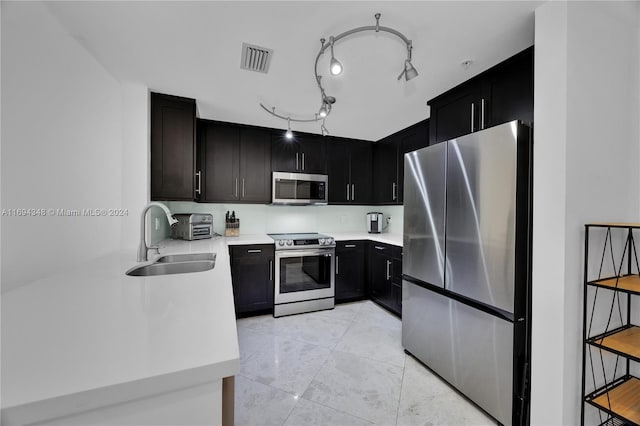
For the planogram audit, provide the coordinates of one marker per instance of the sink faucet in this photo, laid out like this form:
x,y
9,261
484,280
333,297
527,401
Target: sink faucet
x,y
143,248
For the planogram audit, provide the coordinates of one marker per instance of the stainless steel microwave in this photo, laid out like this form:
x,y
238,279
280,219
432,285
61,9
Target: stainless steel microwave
x,y
299,188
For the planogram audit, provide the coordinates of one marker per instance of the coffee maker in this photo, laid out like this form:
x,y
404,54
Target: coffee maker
x,y
374,222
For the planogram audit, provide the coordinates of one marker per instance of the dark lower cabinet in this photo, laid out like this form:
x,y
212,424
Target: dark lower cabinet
x,y
252,272
381,277
173,121
350,271
385,276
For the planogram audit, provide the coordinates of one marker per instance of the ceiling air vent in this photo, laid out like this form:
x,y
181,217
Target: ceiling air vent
x,y
255,58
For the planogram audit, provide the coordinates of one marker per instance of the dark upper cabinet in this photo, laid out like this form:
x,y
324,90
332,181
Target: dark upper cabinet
x,y
172,147
234,162
350,271
304,153
252,277
414,137
349,167
500,94
386,189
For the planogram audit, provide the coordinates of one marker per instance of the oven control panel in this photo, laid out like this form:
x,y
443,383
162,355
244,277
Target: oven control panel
x,y
283,243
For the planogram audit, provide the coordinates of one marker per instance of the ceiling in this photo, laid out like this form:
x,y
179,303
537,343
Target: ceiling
x,y
193,49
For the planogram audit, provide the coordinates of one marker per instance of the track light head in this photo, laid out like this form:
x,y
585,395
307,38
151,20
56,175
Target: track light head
x,y
409,71
323,111
288,134
335,67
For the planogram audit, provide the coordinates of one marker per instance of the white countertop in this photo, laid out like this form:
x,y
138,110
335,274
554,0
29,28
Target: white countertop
x,y
393,239
93,336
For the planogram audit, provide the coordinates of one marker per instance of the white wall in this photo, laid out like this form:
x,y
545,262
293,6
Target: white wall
x,y
261,219
61,146
135,160
585,154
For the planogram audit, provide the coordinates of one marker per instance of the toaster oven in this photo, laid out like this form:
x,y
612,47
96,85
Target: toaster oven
x,y
192,226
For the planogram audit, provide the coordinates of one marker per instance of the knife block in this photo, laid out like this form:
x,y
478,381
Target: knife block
x,y
232,229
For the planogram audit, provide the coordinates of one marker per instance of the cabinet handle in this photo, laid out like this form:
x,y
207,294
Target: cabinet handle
x,y
349,246
254,251
473,114
347,192
297,168
242,187
388,267
337,265
393,191
353,192
378,248
271,270
482,114
199,187
236,187
303,161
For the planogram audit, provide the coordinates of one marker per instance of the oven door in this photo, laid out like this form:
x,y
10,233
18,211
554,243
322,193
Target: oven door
x,y
304,275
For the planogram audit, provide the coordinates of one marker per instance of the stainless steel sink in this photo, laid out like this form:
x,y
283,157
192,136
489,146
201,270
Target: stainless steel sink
x,y
187,257
175,264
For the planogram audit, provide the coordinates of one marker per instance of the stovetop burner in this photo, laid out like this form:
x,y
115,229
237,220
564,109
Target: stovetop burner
x,y
302,241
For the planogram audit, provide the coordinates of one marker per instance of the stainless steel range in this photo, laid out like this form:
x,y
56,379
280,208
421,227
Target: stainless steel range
x,y
305,268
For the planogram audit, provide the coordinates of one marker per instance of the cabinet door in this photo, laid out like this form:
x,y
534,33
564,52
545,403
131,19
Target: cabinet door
x,y
361,172
338,168
284,153
172,147
350,271
221,152
312,154
380,272
252,277
510,91
255,165
385,175
455,114
415,137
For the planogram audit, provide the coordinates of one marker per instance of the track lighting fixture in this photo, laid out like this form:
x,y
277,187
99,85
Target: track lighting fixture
x,y
335,68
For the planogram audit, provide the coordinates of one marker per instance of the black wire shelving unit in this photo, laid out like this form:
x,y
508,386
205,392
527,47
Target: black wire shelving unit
x,y
610,354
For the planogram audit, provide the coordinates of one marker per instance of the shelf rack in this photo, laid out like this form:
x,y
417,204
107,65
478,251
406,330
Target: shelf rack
x,y
618,399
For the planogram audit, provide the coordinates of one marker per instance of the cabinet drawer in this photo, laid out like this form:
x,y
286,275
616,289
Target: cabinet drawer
x,y
350,245
257,250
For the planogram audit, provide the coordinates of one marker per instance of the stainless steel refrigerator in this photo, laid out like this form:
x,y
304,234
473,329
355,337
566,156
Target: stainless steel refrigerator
x,y
466,265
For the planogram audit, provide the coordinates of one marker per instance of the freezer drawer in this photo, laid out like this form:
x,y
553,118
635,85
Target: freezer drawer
x,y
481,216
469,348
424,214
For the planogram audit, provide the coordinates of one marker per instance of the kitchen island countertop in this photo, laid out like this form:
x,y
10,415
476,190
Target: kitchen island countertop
x,y
92,336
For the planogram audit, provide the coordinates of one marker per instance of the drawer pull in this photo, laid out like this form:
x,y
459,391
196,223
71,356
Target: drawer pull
x,y
378,248
254,251
349,245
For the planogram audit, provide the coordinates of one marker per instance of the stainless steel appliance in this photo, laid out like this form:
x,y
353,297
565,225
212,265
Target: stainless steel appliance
x,y
299,189
374,222
192,226
304,273
466,265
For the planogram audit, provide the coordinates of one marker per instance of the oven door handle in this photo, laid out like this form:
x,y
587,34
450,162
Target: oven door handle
x,y
302,253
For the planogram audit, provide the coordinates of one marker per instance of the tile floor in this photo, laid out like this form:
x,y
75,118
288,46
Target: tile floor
x,y
340,367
